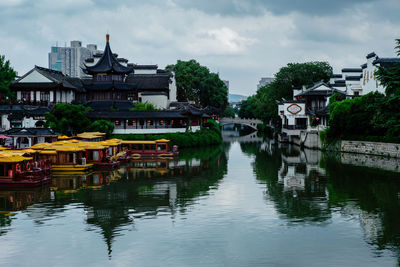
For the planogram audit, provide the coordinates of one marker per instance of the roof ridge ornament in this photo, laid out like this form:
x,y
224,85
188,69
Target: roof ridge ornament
x,y
107,38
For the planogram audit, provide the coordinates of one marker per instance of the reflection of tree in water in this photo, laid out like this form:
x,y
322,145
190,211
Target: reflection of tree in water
x,y
18,200
306,202
375,195
150,190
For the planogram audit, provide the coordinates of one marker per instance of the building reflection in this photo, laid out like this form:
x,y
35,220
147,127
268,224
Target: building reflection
x,y
144,188
309,186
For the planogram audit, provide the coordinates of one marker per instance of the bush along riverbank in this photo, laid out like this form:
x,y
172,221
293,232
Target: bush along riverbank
x,y
208,135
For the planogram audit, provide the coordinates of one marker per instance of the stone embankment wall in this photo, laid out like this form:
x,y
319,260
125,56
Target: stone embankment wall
x,y
311,140
372,161
371,148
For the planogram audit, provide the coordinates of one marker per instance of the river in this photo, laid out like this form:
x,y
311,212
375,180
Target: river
x,y
238,204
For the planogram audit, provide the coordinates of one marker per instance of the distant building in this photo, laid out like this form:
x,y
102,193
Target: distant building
x,y
226,84
69,60
361,81
264,82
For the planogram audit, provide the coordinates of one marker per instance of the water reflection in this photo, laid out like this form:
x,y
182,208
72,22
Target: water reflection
x,y
144,188
310,186
256,210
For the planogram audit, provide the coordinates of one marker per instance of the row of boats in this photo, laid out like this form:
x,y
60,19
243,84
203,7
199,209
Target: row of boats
x,y
73,155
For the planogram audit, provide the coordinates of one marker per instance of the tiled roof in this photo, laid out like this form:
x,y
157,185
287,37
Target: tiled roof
x,y
108,63
372,54
31,132
352,70
149,81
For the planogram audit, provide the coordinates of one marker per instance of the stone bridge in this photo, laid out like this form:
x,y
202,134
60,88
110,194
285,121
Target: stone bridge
x,y
248,122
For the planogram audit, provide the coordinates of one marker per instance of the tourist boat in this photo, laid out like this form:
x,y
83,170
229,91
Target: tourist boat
x,y
18,170
71,159
158,148
97,155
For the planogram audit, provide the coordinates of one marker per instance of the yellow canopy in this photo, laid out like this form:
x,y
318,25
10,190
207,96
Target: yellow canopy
x,y
138,142
13,159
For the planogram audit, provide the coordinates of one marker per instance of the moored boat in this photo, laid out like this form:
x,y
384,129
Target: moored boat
x,y
158,148
17,170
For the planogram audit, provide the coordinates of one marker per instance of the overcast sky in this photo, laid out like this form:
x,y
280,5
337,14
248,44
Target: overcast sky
x,y
241,40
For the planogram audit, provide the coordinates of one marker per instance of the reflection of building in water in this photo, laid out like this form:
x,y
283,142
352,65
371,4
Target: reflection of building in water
x,y
21,199
300,169
147,188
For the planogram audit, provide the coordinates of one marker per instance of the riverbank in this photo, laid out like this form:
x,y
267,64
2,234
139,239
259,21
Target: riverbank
x,y
204,137
316,140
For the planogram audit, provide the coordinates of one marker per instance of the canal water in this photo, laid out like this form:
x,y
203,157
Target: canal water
x,y
245,203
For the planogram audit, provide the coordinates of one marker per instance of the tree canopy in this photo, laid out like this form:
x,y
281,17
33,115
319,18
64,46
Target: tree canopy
x,y
247,108
7,75
102,126
390,76
294,75
68,119
143,106
196,83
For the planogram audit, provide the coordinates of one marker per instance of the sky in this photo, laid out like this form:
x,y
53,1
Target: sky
x,y
241,40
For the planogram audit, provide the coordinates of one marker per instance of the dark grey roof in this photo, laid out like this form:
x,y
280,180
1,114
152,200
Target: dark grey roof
x,y
337,76
386,60
120,59
363,66
149,81
105,86
372,54
144,67
340,81
312,91
170,114
353,78
291,101
108,63
31,132
75,82
56,78
89,60
154,93
352,70
107,105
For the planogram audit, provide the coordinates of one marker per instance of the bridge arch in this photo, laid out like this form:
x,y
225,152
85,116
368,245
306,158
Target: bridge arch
x,y
252,123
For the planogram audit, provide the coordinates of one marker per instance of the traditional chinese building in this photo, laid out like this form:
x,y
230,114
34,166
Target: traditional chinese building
x,y
108,78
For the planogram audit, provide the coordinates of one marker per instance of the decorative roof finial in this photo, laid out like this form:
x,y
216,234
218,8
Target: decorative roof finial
x,y
107,37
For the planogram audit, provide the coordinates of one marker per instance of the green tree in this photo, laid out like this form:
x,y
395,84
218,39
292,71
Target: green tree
x,y
294,75
197,83
68,119
247,108
229,112
143,107
102,126
7,75
390,76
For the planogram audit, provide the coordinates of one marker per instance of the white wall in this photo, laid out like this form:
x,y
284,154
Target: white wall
x,y
369,83
145,71
159,101
172,89
154,131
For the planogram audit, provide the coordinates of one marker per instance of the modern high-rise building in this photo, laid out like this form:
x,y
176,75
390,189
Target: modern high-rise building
x,y
264,82
69,60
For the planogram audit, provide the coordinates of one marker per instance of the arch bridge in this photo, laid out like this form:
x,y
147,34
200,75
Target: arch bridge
x,y
252,123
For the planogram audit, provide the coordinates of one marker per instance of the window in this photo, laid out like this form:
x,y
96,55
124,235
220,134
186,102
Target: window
x,y
44,96
131,122
117,122
25,95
